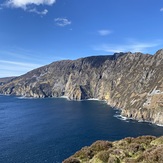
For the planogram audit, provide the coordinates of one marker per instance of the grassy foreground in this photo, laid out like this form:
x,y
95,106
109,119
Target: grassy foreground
x,y
143,149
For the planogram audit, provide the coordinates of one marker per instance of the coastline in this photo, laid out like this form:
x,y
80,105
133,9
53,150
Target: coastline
x,y
118,114
124,118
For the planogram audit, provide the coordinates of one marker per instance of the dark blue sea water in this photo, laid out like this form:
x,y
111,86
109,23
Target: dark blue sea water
x,y
50,130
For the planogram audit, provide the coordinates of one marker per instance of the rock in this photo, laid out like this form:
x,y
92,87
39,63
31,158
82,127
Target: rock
x,y
132,82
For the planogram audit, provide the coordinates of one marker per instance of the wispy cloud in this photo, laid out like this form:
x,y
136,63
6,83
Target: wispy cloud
x,y
132,46
28,5
24,64
161,9
34,10
16,61
62,22
19,54
12,68
104,32
23,55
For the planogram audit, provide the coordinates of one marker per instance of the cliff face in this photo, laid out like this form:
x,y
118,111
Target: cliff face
x,y
144,149
131,82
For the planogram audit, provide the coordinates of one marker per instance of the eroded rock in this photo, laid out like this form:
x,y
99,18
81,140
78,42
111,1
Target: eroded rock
x,y
132,82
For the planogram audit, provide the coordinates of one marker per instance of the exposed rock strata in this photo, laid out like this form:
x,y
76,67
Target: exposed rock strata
x,y
131,82
144,149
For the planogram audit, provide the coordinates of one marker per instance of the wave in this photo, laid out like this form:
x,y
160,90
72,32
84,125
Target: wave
x,y
160,125
93,99
120,117
24,97
64,97
123,118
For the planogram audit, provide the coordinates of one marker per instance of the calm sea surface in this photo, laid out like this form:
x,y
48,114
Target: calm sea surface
x,y
50,130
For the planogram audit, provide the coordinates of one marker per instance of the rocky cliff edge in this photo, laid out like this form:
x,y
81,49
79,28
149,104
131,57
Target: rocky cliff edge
x,y
132,82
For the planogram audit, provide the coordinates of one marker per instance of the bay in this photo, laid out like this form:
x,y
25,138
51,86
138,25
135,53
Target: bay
x,y
50,130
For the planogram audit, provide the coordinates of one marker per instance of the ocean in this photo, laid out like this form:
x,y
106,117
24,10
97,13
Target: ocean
x,y
50,130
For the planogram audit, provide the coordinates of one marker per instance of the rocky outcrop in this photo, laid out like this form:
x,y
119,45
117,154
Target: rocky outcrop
x,y
6,80
144,149
132,82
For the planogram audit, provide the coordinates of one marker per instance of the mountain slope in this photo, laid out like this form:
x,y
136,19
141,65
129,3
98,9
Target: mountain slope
x,y
131,82
5,80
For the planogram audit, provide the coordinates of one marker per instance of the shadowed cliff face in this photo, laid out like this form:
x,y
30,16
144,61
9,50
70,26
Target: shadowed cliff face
x,y
131,82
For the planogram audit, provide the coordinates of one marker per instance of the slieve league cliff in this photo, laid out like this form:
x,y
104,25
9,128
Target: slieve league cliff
x,y
132,82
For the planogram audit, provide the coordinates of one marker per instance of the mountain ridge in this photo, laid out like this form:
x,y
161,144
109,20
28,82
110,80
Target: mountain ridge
x,y
132,82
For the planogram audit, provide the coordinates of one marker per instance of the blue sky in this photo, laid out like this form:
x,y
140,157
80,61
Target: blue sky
x,y
37,32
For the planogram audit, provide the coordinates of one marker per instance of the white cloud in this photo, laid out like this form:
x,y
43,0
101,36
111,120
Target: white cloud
x,y
28,5
132,46
34,10
62,22
24,3
161,9
104,32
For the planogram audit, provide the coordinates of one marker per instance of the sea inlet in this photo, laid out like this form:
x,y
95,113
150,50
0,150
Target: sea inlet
x,y
50,130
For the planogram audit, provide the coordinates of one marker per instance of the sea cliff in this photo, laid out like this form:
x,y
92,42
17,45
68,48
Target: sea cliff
x,y
132,82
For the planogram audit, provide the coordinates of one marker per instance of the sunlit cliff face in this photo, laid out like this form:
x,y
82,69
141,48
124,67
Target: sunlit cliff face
x,y
131,82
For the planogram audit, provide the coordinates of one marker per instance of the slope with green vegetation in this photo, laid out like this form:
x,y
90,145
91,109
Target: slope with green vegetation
x,y
143,149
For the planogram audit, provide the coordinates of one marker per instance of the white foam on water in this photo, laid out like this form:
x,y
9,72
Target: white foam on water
x,y
23,97
160,125
93,99
121,117
64,97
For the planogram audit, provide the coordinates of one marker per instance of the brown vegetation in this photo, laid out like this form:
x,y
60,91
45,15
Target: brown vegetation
x,y
143,149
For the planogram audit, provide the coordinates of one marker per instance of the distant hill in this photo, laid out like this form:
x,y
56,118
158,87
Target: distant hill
x,y
132,82
5,80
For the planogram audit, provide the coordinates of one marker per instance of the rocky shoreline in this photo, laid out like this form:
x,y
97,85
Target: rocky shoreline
x,y
121,117
132,82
